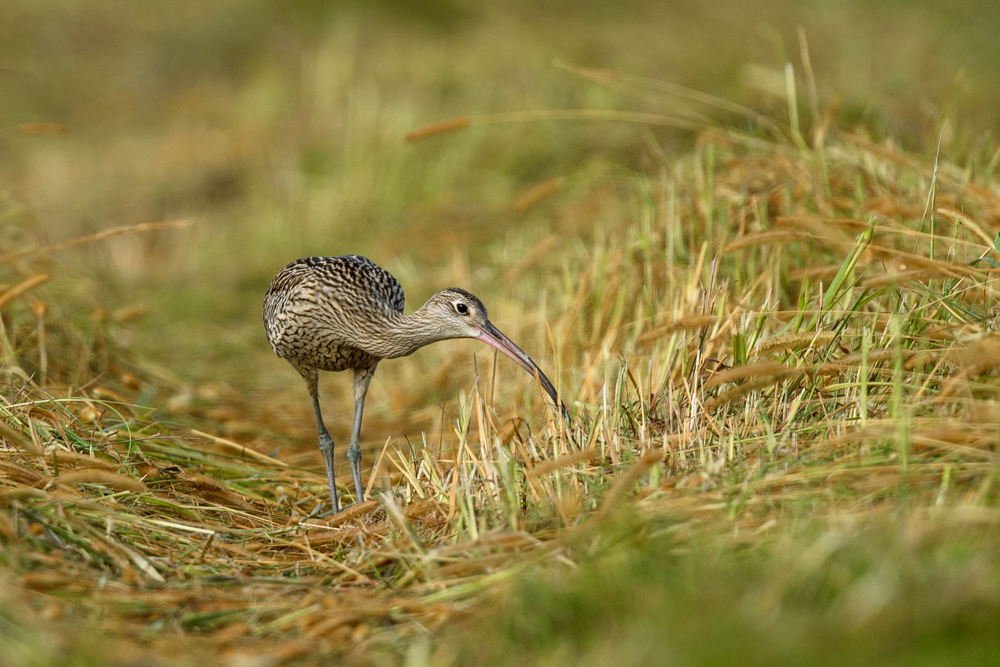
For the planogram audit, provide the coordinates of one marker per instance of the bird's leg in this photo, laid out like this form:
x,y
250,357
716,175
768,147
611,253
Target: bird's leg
x,y
325,441
362,378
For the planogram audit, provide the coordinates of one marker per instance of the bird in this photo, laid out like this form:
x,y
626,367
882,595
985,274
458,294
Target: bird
x,y
346,313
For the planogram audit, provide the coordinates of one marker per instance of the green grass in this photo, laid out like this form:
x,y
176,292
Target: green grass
x,y
907,589
767,294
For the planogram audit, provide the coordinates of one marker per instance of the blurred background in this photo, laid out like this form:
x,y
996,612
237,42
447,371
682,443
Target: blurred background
x,y
277,129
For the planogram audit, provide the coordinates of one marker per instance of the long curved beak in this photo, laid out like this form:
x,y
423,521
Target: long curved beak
x,y
492,336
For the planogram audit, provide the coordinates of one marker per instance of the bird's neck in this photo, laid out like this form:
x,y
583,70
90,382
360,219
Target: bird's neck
x,y
405,334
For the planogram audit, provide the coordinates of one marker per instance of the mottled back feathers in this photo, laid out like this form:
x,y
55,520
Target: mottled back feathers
x,y
325,312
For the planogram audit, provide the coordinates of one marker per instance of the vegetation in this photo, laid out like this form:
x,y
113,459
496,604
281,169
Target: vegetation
x,y
770,309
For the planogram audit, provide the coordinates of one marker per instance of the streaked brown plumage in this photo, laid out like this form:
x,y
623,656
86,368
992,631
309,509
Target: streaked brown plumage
x,y
346,313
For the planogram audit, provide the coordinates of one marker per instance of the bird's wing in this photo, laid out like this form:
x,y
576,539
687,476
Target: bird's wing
x,y
375,282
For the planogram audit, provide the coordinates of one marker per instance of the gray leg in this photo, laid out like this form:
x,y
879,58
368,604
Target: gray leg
x,y
325,441
362,378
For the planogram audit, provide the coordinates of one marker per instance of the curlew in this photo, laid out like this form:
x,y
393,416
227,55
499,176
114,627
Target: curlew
x,y
346,313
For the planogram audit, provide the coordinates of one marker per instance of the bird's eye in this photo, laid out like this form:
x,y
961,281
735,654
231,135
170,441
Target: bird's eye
x,y
461,308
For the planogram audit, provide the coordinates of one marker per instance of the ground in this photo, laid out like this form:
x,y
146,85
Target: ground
x,y
753,248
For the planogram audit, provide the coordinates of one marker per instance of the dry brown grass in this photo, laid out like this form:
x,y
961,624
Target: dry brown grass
x,y
725,405
790,319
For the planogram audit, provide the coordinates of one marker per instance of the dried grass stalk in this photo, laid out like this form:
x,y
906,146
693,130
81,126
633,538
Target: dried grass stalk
x,y
99,236
104,477
563,462
761,371
739,392
795,342
538,193
767,237
440,127
683,324
24,286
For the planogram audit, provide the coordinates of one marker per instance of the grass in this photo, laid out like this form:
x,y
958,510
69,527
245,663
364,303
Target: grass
x,y
772,322
897,589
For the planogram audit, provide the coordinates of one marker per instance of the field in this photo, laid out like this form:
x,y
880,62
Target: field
x,y
756,251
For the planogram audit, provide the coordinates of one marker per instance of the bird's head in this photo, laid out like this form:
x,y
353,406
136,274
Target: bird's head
x,y
459,314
